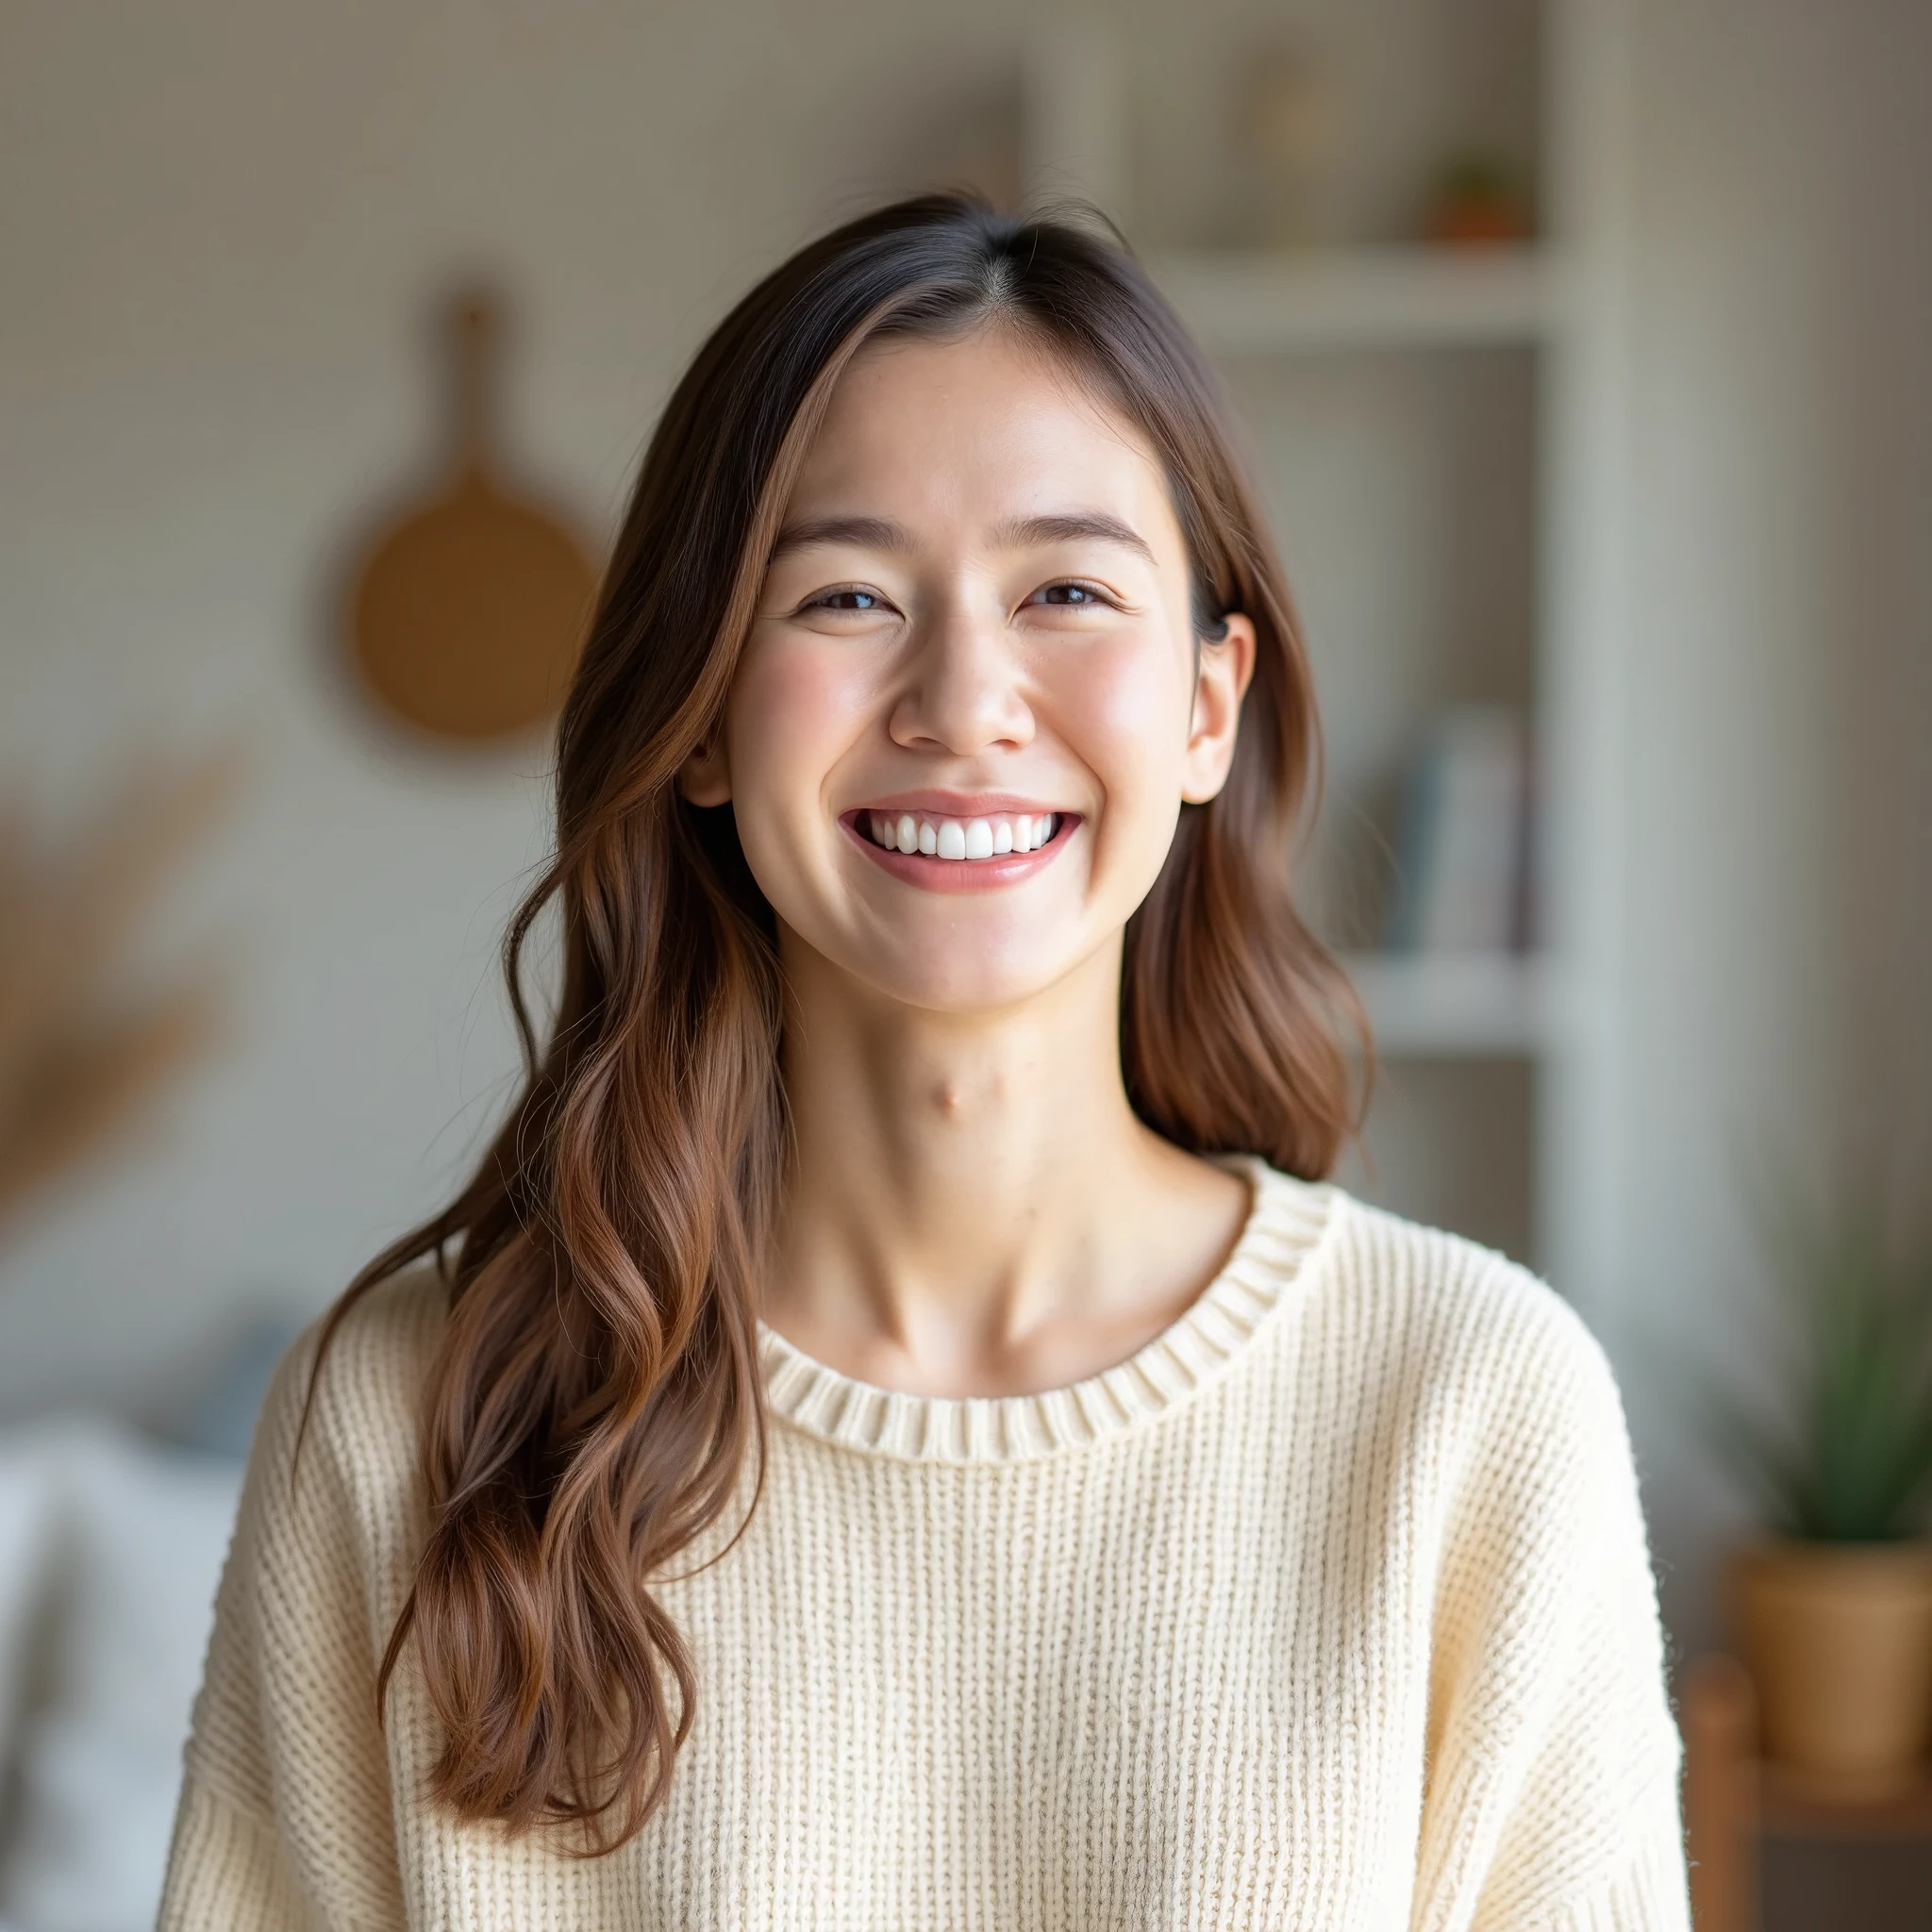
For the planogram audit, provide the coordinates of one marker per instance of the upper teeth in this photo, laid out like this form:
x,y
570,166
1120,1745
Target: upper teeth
x,y
962,838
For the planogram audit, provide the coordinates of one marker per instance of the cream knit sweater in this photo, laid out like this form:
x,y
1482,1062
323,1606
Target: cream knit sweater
x,y
1328,1609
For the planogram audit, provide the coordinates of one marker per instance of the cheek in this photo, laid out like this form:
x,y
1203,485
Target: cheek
x,y
1125,712
796,706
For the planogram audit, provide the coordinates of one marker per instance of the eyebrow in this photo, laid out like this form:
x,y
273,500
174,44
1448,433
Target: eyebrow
x,y
870,533
1017,532
881,533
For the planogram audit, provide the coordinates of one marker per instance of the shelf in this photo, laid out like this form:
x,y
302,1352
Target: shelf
x,y
1454,1005
1257,302
1789,1807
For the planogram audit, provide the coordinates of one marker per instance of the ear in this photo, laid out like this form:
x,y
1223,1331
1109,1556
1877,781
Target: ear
x,y
705,778
1222,672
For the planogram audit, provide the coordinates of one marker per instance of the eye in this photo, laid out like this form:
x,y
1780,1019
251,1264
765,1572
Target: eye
x,y
847,600
1070,595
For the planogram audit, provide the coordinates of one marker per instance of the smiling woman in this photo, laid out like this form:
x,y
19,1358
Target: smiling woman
x,y
900,1431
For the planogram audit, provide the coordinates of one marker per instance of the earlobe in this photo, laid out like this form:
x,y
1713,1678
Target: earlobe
x,y
1220,681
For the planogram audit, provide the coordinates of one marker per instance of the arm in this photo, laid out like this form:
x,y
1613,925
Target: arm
x,y
1552,1788
284,1818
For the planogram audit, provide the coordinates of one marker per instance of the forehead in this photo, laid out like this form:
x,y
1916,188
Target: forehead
x,y
990,423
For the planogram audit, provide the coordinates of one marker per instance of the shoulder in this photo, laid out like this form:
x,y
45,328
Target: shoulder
x,y
342,1422
370,1365
1469,1391
1463,1305
1455,1334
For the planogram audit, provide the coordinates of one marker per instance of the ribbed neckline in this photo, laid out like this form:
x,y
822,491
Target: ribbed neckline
x,y
1288,1222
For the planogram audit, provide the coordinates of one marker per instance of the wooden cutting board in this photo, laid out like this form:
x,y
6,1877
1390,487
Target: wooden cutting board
x,y
468,614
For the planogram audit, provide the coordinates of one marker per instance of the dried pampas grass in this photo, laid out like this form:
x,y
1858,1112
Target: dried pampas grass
x,y
86,1040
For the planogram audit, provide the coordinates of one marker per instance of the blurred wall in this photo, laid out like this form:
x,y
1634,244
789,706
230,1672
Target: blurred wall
x,y
219,227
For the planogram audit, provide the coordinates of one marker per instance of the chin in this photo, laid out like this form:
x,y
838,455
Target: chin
x,y
962,987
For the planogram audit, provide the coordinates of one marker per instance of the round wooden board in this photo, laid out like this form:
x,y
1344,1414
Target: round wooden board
x,y
467,618
470,615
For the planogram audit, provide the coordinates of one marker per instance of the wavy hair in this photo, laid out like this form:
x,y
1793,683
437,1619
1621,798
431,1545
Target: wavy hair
x,y
595,1401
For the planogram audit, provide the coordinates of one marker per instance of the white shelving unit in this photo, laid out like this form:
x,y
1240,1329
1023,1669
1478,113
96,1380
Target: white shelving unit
x,y
1252,303
1471,1037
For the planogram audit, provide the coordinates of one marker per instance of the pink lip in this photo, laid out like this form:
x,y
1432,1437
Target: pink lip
x,y
959,805
957,874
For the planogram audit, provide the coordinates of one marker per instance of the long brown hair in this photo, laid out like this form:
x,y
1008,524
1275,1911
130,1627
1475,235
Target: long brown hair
x,y
596,1392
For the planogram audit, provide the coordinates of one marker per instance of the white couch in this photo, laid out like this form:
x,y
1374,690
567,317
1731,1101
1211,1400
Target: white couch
x,y
111,1547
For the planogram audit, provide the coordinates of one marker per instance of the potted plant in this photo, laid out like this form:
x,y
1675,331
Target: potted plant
x,y
1833,1607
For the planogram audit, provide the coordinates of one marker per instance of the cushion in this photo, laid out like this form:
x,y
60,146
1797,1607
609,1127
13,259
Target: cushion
x,y
136,1548
26,1520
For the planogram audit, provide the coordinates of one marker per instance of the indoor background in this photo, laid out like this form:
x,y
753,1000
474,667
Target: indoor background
x,y
1585,352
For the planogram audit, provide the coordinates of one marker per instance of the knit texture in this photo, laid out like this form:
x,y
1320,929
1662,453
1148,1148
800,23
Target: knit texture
x,y
1331,1609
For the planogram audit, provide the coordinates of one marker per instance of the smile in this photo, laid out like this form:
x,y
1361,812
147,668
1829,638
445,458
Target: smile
x,y
980,851
965,840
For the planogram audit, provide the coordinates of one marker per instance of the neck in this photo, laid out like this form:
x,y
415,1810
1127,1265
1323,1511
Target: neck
x,y
973,1204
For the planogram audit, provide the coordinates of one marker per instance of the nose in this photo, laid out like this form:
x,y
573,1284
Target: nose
x,y
965,694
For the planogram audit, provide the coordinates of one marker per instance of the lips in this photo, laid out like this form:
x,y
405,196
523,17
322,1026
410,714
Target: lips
x,y
989,846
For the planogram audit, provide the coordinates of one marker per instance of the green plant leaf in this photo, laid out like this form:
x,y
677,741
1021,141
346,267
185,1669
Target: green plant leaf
x,y
1850,1457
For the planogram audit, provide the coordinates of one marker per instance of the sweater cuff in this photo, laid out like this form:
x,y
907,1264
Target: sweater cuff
x,y
1650,1893
227,1869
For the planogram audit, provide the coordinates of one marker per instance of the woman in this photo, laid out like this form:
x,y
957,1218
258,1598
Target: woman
x,y
904,1437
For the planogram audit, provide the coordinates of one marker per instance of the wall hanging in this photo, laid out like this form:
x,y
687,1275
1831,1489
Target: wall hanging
x,y
468,612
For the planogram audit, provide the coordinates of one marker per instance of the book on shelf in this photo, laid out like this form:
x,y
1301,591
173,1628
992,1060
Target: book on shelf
x,y
1464,849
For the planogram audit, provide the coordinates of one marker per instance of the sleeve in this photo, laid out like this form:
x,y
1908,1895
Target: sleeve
x,y
284,1818
1551,1795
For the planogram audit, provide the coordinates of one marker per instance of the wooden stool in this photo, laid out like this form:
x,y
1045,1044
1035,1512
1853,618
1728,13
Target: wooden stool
x,y
1732,1799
